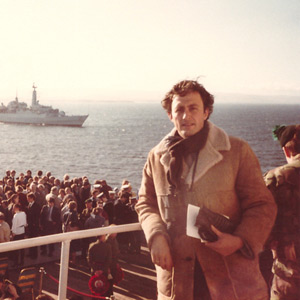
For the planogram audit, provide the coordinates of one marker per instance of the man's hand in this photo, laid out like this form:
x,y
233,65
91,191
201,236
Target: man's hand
x,y
226,243
160,252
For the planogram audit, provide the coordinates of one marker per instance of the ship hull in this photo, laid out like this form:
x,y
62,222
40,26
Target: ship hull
x,y
26,117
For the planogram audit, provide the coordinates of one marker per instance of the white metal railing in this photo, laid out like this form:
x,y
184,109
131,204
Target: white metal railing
x,y
65,239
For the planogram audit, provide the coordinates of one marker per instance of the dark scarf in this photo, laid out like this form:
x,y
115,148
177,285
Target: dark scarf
x,y
180,148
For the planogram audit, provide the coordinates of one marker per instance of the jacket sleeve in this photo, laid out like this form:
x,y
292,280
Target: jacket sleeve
x,y
147,206
257,205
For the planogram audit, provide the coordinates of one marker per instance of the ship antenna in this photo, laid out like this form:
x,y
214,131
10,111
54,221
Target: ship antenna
x,y
33,101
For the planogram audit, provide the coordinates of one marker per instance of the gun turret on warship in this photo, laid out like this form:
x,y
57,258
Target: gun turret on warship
x,y
19,113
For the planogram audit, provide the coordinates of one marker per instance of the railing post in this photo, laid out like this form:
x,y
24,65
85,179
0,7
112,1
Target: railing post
x,y
64,268
42,271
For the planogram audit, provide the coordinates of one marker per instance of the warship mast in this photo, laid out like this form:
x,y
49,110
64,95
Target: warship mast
x,y
33,101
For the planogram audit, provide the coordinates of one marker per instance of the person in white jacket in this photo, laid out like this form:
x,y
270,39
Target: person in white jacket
x,y
19,222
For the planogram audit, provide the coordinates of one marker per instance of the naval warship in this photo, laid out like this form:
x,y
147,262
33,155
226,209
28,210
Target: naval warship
x,y
19,113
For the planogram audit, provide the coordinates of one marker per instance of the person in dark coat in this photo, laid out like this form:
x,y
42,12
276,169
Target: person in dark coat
x,y
108,207
135,238
84,192
49,223
33,229
85,214
99,259
122,216
71,223
22,198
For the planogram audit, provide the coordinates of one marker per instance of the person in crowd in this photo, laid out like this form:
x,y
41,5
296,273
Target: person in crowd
x,y
105,188
109,206
284,241
94,221
135,238
33,229
100,258
48,184
122,216
66,181
22,197
71,223
6,177
9,186
19,222
111,239
39,173
101,201
39,197
85,190
6,212
13,175
70,193
56,182
4,229
28,176
50,223
85,214
75,189
126,188
9,290
94,197
65,205
99,255
199,164
61,196
21,179
4,233
42,194
54,194
2,194
13,199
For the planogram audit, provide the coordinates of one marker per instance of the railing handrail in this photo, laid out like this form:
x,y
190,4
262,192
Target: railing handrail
x,y
60,237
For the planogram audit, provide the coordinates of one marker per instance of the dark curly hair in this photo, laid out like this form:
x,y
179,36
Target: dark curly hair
x,y
185,87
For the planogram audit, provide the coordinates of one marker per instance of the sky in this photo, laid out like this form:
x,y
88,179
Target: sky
x,y
76,50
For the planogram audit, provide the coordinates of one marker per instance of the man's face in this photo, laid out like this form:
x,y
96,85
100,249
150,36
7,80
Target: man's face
x,y
188,114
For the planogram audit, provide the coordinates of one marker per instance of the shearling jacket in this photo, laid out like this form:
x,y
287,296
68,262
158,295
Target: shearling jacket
x,y
228,181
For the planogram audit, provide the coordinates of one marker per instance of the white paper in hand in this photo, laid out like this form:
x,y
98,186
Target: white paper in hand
x,y
191,228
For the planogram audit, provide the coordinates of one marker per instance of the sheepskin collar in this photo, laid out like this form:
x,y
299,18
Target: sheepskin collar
x,y
210,155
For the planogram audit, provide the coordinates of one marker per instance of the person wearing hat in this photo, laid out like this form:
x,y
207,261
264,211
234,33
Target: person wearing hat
x,y
284,241
198,165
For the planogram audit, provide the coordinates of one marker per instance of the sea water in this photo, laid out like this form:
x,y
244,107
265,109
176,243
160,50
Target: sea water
x,y
115,139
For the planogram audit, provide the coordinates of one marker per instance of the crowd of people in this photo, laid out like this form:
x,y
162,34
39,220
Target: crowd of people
x,y
40,204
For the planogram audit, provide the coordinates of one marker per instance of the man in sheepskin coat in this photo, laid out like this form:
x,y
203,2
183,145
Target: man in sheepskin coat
x,y
199,164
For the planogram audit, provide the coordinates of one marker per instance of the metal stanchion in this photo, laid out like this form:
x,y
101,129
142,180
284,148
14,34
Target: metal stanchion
x,y
42,271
